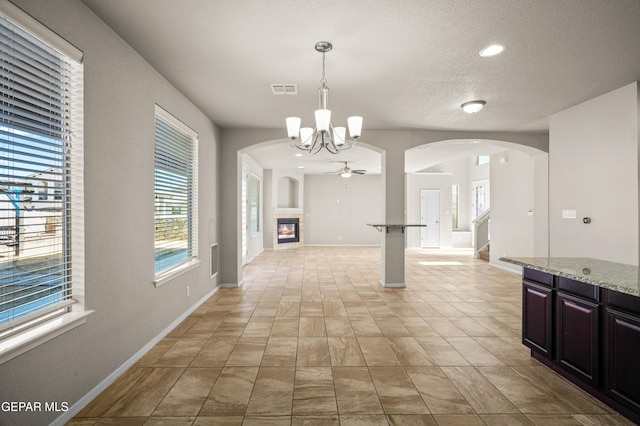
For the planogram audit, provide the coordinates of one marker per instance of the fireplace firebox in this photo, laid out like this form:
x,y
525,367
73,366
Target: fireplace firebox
x,y
288,230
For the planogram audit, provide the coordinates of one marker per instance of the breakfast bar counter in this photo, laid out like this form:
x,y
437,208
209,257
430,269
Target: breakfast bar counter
x,y
581,317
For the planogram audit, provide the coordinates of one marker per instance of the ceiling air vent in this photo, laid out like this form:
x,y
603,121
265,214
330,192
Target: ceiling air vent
x,y
284,89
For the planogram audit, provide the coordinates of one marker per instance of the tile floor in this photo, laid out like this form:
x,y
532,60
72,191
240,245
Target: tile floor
x,y
311,338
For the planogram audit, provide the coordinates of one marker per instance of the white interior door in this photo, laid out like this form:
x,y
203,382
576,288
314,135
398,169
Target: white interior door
x,y
430,216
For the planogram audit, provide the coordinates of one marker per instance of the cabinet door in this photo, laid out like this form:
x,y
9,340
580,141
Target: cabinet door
x,y
577,337
623,368
537,310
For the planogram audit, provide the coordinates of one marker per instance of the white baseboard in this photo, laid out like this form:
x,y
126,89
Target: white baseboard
x,y
392,285
505,268
342,245
93,393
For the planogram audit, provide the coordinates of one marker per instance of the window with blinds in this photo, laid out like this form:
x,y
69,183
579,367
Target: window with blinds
x,y
176,190
41,169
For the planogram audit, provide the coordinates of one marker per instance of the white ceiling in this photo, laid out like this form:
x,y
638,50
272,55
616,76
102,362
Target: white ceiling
x,y
400,64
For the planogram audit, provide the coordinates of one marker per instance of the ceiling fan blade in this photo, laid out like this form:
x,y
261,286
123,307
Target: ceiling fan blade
x,y
360,172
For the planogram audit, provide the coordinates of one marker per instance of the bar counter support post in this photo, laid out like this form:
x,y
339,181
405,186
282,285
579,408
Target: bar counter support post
x,y
392,248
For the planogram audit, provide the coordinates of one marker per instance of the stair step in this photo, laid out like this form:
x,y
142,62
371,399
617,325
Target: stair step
x,y
485,255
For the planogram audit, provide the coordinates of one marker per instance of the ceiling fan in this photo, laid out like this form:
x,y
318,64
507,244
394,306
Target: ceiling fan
x,y
346,171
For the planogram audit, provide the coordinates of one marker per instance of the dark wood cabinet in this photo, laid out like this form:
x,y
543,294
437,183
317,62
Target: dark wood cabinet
x,y
577,336
537,315
588,334
623,368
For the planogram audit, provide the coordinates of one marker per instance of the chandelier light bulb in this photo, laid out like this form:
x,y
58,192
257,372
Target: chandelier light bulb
x,y
306,136
355,126
293,126
339,135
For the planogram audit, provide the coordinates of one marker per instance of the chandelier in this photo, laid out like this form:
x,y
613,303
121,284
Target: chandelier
x,y
324,135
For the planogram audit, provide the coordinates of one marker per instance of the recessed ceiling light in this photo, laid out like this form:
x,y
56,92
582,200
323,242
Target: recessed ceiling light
x,y
298,155
492,50
472,106
301,167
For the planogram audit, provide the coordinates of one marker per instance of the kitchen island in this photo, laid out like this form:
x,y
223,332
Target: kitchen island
x,y
581,317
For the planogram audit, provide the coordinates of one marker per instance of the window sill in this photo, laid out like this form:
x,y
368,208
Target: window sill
x,y
166,276
32,337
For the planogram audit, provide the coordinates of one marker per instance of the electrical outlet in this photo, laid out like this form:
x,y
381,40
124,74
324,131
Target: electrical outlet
x,y
339,238
188,291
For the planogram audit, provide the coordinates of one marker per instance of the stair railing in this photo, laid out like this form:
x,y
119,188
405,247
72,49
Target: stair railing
x,y
481,232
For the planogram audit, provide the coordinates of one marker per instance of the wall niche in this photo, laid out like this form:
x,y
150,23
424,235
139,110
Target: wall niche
x,y
288,193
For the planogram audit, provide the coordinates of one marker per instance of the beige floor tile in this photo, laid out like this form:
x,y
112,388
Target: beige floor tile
x,y
365,326
473,352
288,309
188,394
231,392
392,326
440,395
527,397
478,391
215,352
146,394
248,351
553,420
219,421
506,420
312,327
280,352
151,357
315,421
338,327
334,309
574,399
355,391
314,392
364,420
397,393
311,338
285,327
345,351
272,392
458,420
114,392
169,421
409,352
313,352
377,352
411,420
267,421
441,352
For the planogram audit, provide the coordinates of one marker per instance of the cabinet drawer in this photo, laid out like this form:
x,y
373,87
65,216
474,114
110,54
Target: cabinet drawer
x,y
625,302
577,288
538,276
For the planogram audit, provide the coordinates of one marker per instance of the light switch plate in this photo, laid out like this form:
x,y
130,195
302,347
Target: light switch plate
x,y
568,214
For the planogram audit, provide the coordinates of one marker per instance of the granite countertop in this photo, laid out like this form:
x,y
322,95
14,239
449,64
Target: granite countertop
x,y
601,273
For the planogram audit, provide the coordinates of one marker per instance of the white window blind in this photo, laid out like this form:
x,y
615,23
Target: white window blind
x,y
176,192
41,169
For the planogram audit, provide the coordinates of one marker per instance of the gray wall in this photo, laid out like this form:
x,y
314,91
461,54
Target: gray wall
x,y
593,169
337,209
120,92
512,197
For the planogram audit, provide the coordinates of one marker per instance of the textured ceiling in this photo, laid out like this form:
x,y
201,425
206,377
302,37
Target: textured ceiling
x,y
399,64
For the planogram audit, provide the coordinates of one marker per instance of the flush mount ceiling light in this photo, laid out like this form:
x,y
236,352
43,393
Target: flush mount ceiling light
x,y
472,107
492,50
324,135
